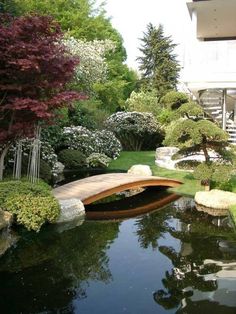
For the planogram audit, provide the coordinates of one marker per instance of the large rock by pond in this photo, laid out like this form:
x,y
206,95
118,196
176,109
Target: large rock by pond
x,y
5,219
141,170
164,157
216,199
7,239
71,209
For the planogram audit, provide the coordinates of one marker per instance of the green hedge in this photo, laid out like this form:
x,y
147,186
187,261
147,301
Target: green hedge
x,y
72,159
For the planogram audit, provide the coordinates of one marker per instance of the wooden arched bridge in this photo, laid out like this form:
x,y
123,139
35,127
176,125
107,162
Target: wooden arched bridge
x,y
94,188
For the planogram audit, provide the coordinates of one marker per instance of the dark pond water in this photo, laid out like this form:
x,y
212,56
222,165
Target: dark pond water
x,y
174,260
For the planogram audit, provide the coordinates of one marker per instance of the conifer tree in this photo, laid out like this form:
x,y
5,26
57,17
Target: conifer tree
x,y
158,65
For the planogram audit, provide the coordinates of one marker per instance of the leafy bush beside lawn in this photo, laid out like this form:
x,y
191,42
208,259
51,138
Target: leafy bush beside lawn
x,y
32,204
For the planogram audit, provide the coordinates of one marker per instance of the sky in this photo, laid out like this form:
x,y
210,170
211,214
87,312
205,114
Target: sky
x,y
130,18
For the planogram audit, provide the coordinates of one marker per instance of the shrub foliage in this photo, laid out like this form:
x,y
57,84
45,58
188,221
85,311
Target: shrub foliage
x,y
135,129
97,160
88,142
32,204
72,159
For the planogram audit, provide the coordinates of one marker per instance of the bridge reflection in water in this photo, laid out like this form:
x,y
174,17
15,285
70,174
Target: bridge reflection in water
x,y
149,200
98,187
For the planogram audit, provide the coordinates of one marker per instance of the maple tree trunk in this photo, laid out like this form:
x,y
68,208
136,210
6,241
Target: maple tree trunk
x,y
2,158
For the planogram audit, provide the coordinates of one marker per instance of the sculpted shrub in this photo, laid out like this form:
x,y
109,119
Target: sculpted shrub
x,y
214,174
72,159
97,160
135,130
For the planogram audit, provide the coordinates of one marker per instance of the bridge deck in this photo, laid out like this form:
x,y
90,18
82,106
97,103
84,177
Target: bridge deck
x,y
97,187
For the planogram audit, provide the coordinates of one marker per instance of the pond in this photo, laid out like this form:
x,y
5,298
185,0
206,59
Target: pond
x,y
173,260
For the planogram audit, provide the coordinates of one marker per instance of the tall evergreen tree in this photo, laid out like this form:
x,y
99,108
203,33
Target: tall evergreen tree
x,y
158,65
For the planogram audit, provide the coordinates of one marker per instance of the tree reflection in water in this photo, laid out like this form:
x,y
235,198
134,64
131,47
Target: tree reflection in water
x,y
51,269
199,239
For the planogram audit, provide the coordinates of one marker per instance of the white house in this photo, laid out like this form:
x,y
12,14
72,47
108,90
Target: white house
x,y
210,59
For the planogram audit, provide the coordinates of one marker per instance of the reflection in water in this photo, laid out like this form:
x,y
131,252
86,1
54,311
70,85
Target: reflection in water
x,y
174,260
192,272
151,198
51,269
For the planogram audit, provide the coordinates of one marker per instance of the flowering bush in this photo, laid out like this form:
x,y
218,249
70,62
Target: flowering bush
x,y
108,144
47,154
88,142
97,160
135,129
92,68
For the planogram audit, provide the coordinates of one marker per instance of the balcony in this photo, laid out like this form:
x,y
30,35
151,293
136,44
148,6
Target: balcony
x,y
210,65
215,18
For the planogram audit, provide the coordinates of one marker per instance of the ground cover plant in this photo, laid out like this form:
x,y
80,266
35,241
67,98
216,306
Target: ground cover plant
x,y
31,204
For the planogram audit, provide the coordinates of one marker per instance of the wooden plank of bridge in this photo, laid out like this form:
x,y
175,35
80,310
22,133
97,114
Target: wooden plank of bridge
x,y
96,187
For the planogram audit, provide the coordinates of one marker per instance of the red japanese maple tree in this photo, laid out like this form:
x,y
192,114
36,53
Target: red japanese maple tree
x,y
34,71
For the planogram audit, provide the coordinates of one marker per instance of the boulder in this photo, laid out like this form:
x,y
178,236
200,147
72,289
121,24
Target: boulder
x,y
140,170
164,157
216,199
212,211
61,227
164,152
71,209
7,239
5,219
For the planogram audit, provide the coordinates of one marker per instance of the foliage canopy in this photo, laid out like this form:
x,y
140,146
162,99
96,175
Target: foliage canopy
x,y
158,64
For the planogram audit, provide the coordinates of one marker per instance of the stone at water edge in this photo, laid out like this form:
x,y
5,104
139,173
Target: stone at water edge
x,y
7,239
5,219
141,170
71,209
217,199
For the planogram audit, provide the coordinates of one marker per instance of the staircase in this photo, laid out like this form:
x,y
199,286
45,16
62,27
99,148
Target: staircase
x,y
231,129
211,102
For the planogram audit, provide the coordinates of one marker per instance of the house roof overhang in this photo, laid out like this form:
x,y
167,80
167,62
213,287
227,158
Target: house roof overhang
x,y
215,18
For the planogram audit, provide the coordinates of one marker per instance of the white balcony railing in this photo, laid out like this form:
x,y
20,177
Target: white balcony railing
x,y
210,61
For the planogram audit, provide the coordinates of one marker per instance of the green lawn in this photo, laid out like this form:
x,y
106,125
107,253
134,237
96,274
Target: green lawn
x,y
232,210
127,159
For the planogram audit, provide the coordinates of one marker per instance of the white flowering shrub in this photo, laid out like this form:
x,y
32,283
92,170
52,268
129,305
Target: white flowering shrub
x,y
79,138
108,144
98,160
88,142
135,130
47,152
93,67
